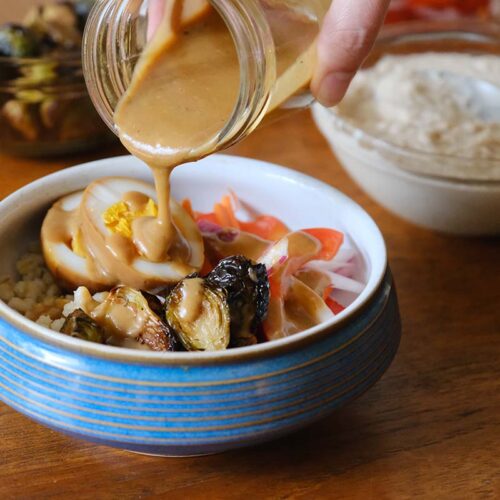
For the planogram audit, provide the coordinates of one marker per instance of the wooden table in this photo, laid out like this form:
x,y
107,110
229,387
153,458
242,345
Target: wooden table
x,y
429,429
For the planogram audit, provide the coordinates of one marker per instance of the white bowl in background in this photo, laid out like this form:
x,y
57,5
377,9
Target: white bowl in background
x,y
453,206
393,175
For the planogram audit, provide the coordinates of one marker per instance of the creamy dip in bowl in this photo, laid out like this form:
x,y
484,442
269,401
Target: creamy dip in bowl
x,y
409,142
196,403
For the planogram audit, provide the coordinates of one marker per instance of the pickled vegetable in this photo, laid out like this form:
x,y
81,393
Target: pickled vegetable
x,y
200,316
81,326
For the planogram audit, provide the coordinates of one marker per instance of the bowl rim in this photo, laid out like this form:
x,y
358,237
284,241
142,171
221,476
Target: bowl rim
x,y
271,348
413,30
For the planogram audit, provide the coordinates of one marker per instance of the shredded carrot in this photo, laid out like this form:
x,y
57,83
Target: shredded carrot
x,y
266,227
223,217
227,203
334,306
327,292
275,286
188,207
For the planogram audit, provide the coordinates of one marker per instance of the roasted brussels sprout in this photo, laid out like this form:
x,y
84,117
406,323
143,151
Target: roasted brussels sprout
x,y
200,315
80,325
17,41
246,286
126,312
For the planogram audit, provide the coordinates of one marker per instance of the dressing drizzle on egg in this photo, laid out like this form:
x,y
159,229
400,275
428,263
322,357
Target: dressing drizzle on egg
x,y
89,238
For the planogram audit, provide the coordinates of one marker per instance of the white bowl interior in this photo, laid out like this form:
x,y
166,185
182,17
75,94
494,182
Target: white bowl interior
x,y
300,201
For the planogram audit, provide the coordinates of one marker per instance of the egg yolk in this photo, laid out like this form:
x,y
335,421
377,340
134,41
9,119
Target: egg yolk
x,y
118,218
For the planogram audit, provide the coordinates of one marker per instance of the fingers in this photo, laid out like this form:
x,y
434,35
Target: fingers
x,y
348,34
156,10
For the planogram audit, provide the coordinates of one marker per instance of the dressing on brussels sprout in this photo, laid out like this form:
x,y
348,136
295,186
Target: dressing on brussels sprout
x,y
200,316
123,318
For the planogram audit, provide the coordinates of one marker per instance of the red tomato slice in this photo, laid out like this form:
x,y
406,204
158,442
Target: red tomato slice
x,y
330,240
266,227
334,306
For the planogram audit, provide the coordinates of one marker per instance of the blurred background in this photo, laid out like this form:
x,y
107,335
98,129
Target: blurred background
x,y
44,106
407,10
13,10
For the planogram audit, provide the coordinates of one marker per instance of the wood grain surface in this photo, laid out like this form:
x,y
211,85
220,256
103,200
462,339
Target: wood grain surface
x,y
429,429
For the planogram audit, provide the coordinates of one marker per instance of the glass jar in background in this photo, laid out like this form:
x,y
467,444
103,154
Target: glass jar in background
x,y
45,109
275,41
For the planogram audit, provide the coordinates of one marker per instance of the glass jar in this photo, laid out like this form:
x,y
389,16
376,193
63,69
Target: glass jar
x,y
275,41
45,108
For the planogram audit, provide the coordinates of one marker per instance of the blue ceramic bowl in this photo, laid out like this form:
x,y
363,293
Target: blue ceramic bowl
x,y
182,404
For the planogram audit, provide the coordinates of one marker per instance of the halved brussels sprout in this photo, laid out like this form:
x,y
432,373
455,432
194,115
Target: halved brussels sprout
x,y
200,315
81,326
246,286
127,313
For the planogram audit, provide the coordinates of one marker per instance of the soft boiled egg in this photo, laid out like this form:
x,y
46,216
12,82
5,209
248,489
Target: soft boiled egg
x,y
87,238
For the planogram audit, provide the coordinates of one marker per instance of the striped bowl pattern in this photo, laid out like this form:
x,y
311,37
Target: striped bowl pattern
x,y
180,404
198,409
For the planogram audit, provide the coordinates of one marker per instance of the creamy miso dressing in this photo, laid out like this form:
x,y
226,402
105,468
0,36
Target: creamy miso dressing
x,y
189,71
191,300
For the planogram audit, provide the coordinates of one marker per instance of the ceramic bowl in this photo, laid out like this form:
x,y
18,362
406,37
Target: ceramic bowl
x,y
180,404
396,177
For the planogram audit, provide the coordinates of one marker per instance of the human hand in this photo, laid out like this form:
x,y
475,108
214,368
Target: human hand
x,y
348,34
156,9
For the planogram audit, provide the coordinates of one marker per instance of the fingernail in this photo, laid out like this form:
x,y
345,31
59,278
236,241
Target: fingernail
x,y
333,88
